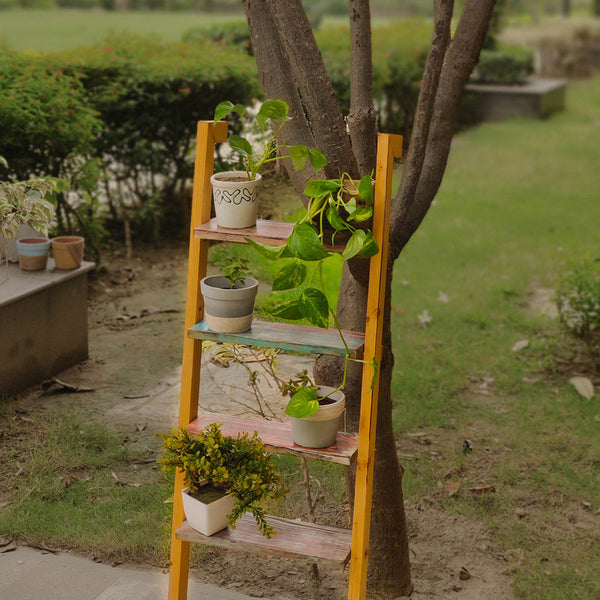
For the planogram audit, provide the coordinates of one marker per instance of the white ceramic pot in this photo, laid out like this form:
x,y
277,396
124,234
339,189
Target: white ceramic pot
x,y
226,309
235,198
319,430
207,518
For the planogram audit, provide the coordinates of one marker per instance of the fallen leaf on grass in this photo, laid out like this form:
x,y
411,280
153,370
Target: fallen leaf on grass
x,y
479,491
7,545
520,345
452,487
464,574
584,386
56,386
121,482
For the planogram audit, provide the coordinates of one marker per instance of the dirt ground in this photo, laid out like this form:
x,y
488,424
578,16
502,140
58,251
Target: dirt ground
x,y
136,313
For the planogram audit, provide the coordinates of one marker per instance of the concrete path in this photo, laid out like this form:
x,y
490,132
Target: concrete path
x,y
30,574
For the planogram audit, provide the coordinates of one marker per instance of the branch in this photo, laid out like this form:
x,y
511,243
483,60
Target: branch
x,y
412,202
362,119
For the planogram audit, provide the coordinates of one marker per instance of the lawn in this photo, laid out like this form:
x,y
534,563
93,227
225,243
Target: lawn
x,y
519,198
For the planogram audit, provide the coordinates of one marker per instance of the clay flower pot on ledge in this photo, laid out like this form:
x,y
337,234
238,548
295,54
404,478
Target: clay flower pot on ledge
x,y
33,253
68,251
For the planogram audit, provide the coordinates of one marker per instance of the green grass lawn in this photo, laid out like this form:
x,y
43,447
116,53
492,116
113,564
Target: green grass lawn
x,y
55,30
519,198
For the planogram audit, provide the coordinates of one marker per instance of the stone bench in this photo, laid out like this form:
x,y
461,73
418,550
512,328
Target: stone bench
x,y
43,323
536,98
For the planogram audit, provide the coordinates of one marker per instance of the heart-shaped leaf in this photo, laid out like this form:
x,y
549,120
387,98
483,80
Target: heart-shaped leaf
x,y
317,188
335,220
365,189
272,109
317,159
290,310
303,403
226,107
299,156
314,307
271,252
354,244
304,243
239,144
290,276
370,246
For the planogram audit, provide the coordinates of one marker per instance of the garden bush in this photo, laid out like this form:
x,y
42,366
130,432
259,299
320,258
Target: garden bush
x,y
234,33
506,66
48,129
149,96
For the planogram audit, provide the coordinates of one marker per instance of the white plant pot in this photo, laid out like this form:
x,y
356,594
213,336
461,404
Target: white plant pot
x,y
228,310
319,430
235,198
207,518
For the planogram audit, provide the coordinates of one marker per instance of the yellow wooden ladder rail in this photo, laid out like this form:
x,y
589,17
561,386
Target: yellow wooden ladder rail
x,y
389,147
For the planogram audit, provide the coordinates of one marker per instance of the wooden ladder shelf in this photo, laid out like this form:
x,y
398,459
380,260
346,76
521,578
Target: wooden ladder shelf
x,y
308,541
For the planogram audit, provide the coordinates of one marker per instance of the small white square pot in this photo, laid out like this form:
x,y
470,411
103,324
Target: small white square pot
x,y
206,518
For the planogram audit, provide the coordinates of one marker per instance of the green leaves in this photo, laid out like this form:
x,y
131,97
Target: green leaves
x,y
361,244
272,109
226,107
304,243
303,403
290,276
310,304
300,154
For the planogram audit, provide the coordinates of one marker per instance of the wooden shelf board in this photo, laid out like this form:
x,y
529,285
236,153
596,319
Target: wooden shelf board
x,y
273,233
270,233
277,437
296,338
294,539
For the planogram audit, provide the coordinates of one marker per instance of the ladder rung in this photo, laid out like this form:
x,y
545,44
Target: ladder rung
x,y
294,539
287,336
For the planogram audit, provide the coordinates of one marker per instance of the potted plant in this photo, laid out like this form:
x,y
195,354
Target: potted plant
x,y
229,297
235,192
24,204
315,411
222,465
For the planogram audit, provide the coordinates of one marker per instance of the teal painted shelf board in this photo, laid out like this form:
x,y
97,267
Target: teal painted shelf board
x,y
291,337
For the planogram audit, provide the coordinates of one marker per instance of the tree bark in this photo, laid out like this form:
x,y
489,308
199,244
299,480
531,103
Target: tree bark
x,y
287,56
362,118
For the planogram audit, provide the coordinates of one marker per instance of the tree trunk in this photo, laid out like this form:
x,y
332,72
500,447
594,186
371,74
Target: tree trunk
x,y
291,68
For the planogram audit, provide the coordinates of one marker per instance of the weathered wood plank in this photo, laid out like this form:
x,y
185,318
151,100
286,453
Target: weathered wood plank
x,y
277,437
272,233
294,539
296,338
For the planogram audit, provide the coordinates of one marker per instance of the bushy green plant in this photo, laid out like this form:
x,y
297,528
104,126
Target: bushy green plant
x,y
504,66
578,301
150,95
234,33
239,466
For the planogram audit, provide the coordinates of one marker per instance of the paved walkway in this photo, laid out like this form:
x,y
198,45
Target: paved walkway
x,y
30,574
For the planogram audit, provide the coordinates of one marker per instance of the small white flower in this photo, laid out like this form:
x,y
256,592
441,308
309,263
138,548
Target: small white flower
x,y
443,297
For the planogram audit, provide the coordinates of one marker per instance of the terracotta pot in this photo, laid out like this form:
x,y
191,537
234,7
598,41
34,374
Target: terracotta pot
x,y
33,253
68,251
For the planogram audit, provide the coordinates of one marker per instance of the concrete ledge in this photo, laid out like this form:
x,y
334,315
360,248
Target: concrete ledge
x,y
43,324
537,98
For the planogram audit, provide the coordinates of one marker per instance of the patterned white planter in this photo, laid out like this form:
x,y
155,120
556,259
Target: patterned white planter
x,y
235,198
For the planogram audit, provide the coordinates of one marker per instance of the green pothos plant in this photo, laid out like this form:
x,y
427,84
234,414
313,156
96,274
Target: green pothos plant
x,y
269,120
239,466
337,209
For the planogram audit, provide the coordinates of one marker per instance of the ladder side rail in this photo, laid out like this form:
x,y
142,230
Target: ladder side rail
x,y
388,147
207,136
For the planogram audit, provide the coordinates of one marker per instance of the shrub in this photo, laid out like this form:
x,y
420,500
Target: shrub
x,y
578,302
508,66
235,33
150,96
48,130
